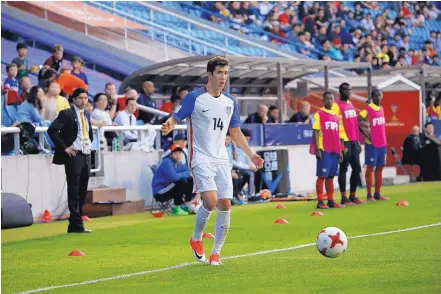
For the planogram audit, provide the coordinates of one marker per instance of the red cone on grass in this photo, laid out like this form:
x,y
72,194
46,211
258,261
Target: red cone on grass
x,y
85,218
158,214
280,206
317,213
281,221
77,253
208,236
402,203
47,216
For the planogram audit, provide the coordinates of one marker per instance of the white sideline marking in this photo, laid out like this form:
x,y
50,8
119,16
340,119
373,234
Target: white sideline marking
x,y
225,258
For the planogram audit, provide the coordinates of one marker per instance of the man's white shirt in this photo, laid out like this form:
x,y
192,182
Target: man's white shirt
x,y
124,118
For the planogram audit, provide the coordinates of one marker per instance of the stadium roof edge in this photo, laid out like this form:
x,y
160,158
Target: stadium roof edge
x,y
241,68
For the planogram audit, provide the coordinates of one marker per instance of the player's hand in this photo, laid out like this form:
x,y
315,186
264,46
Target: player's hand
x,y
257,161
166,127
318,154
340,159
69,151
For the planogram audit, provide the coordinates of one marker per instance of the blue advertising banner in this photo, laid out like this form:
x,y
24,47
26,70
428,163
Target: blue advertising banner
x,y
287,134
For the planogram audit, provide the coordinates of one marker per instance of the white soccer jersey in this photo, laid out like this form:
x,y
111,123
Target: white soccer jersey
x,y
209,119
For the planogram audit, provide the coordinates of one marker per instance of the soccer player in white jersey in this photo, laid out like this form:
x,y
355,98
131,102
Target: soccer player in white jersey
x,y
210,113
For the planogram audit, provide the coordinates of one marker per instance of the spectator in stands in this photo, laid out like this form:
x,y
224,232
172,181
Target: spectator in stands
x,y
178,93
32,110
46,75
304,115
99,116
77,66
273,114
21,61
11,81
55,60
25,87
181,140
259,117
148,89
54,103
126,118
418,19
112,106
172,180
68,82
11,85
129,94
367,24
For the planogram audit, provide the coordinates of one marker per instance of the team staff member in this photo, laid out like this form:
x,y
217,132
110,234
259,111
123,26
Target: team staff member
x,y
72,135
349,134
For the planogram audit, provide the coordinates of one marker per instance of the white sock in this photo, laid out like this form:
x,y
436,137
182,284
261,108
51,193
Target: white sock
x,y
202,217
222,227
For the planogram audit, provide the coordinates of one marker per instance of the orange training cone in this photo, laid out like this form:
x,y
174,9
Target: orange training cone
x,y
208,236
281,221
402,203
77,253
47,216
280,206
85,218
317,213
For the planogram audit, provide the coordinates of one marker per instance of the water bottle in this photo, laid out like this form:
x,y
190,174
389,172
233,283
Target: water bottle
x,y
118,148
114,144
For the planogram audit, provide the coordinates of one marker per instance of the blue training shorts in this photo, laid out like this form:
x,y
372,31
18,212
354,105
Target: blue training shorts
x,y
328,166
374,156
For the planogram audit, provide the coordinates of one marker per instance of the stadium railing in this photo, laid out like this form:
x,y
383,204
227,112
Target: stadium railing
x,y
190,35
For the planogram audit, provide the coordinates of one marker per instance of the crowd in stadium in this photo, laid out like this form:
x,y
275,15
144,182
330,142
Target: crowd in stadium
x,y
341,31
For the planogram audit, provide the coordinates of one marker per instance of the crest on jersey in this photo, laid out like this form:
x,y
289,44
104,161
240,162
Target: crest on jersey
x,y
228,110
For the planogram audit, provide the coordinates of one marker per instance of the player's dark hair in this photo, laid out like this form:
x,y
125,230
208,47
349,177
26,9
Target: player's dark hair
x,y
217,61
327,93
129,99
374,91
343,85
77,92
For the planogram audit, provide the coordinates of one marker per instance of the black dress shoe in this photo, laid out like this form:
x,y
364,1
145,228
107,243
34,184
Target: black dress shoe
x,y
78,231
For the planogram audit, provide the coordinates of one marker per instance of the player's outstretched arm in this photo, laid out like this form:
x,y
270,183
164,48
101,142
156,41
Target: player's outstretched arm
x,y
241,141
168,126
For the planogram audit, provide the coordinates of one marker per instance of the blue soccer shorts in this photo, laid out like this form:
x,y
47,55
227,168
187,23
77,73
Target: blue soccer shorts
x,y
374,156
328,166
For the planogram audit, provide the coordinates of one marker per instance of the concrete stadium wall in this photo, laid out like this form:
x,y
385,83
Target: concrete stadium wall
x,y
43,184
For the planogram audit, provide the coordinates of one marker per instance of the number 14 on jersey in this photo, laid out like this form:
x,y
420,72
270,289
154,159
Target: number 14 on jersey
x,y
218,124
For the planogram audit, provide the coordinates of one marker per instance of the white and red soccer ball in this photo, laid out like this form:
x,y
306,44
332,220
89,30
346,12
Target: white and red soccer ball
x,y
332,242
194,206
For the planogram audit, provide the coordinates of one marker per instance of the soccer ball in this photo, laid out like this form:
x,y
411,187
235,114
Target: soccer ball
x,y
194,206
332,242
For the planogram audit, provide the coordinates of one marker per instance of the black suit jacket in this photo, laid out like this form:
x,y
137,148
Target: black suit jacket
x,y
64,130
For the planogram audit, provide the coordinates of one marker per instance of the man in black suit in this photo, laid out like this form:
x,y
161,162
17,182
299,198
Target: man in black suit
x,y
72,135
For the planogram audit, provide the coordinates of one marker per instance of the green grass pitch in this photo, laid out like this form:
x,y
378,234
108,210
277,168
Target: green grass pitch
x,y
403,262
